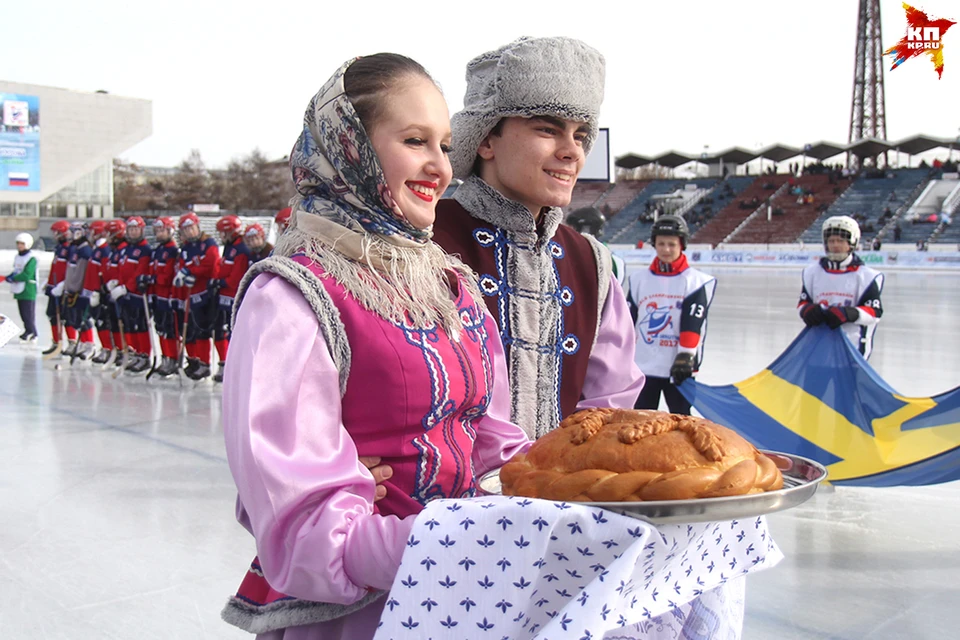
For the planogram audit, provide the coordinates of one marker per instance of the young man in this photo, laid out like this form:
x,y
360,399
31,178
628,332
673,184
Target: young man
x,y
163,267
840,291
233,266
530,117
669,302
116,234
199,262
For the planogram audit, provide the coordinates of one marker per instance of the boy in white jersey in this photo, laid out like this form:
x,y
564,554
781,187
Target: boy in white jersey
x,y
840,291
669,303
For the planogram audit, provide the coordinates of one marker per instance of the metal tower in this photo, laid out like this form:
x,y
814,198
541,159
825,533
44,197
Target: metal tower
x,y
868,111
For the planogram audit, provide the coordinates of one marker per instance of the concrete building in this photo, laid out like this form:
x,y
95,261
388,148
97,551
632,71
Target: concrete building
x,y
56,152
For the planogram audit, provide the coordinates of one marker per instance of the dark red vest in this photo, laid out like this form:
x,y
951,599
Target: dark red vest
x,y
577,269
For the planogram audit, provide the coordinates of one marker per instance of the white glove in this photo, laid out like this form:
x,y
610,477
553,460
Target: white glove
x,y
95,299
118,292
112,284
58,289
180,279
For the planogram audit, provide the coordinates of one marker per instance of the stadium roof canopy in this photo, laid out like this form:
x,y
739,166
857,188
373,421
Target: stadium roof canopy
x,y
869,147
734,155
823,150
778,152
632,161
672,159
920,143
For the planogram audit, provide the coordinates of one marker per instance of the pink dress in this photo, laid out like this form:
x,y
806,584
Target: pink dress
x,y
435,409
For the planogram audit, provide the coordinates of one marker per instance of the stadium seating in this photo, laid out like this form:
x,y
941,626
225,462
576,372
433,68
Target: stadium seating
x,y
791,218
870,196
586,194
730,217
627,228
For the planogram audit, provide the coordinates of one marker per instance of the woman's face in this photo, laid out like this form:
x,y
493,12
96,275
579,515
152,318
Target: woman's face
x,y
412,140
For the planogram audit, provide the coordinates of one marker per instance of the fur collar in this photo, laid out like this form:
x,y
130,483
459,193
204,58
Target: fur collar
x,y
487,204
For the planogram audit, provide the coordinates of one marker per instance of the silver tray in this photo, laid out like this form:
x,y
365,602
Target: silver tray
x,y
801,477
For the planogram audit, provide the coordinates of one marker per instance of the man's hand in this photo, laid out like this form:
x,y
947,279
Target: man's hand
x,y
812,315
836,316
380,472
682,367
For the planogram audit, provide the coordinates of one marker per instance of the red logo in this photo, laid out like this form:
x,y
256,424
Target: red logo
x,y
923,36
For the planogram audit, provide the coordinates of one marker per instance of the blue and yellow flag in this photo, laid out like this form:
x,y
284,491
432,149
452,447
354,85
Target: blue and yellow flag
x,y
820,399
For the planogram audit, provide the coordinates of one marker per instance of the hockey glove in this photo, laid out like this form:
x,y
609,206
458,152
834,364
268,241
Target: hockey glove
x,y
118,292
182,277
95,299
836,316
812,315
112,284
214,285
48,290
58,290
682,368
143,282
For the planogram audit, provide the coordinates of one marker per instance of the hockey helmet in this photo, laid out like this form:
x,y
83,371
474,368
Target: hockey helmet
x,y
117,229
61,230
283,218
670,225
844,227
26,239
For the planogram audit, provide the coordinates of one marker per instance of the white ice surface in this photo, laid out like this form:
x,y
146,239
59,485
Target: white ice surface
x,y
116,503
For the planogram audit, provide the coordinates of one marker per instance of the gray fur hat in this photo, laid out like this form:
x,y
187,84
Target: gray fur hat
x,y
559,77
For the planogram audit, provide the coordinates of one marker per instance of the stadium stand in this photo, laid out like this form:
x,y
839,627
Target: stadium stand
x,y
739,209
790,214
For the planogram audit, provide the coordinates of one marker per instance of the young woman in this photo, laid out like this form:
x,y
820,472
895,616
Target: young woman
x,y
359,337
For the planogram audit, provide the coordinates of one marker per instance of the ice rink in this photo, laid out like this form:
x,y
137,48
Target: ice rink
x,y
116,503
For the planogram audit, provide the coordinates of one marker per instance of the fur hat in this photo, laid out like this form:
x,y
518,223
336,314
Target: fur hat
x,y
559,77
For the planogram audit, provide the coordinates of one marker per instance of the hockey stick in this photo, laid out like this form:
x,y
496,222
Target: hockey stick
x,y
123,344
76,347
150,334
183,338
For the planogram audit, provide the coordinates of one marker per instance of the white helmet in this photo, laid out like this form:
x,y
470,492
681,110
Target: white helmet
x,y
844,227
26,239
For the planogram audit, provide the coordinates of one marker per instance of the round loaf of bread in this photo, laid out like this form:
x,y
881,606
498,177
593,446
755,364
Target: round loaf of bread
x,y
621,455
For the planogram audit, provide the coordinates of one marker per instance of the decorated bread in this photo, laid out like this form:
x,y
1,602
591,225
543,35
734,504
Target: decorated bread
x,y
618,455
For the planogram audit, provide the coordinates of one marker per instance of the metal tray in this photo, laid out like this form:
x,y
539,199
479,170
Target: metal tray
x,y
801,477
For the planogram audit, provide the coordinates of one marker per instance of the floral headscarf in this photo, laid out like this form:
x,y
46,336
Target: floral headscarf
x,y
336,170
347,221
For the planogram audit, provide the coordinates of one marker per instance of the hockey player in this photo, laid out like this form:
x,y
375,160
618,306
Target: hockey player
x,y
124,291
283,219
669,302
74,305
93,284
159,283
199,262
116,233
256,241
840,291
233,266
54,286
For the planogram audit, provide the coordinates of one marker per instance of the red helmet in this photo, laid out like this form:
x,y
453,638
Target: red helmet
x,y
188,219
60,226
136,221
254,230
164,222
283,218
117,228
229,224
98,227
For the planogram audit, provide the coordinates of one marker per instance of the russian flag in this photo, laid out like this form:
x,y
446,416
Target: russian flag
x,y
19,179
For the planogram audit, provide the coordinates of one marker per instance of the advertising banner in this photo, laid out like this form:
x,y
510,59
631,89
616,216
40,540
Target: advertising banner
x,y
19,142
771,258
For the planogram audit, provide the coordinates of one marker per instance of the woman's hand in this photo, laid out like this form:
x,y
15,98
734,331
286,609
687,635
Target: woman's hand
x,y
380,472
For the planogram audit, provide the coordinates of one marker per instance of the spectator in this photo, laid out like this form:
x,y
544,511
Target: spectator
x,y
897,232
876,244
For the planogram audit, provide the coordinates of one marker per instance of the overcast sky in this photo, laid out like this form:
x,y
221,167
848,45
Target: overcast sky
x,y
226,77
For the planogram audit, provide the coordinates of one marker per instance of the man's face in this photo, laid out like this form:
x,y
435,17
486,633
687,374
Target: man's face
x,y
668,248
534,161
837,245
